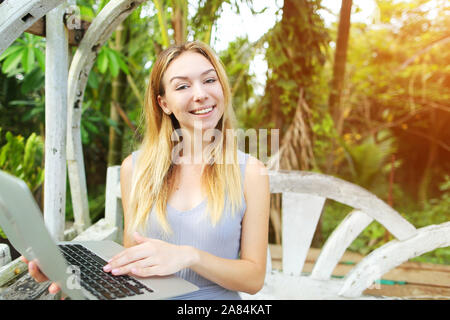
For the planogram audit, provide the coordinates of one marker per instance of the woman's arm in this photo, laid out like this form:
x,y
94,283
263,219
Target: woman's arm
x,y
246,274
154,257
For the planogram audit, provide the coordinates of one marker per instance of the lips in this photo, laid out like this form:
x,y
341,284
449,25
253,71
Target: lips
x,y
203,110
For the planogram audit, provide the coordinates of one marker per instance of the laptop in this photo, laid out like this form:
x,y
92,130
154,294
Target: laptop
x,y
75,266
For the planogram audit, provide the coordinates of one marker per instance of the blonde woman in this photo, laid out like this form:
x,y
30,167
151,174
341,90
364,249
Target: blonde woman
x,y
194,207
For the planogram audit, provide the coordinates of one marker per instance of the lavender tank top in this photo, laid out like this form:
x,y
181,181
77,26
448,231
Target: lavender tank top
x,y
193,227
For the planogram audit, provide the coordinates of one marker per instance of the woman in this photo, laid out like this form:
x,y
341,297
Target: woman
x,y
201,213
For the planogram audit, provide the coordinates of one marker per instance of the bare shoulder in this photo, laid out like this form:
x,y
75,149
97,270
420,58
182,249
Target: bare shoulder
x,y
127,165
255,169
126,171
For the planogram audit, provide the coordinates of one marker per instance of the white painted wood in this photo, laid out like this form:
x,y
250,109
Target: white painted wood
x,y
5,254
18,15
280,286
78,186
70,233
11,270
392,254
113,203
101,230
55,122
97,34
344,192
300,214
341,238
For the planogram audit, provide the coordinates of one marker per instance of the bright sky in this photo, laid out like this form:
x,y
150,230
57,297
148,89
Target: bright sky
x,y
231,25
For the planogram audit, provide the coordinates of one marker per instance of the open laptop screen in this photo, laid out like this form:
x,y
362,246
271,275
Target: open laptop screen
x,y
23,223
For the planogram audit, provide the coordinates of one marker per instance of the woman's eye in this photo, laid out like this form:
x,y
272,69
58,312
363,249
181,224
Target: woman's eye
x,y
181,87
210,80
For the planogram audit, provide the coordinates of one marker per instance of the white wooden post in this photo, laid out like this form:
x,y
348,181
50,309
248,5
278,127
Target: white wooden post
x,y
341,238
5,254
56,73
300,215
113,203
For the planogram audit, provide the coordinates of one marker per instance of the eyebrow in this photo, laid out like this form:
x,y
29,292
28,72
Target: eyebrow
x,y
184,78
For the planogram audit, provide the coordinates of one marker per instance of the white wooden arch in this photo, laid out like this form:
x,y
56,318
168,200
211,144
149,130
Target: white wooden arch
x,y
97,34
19,15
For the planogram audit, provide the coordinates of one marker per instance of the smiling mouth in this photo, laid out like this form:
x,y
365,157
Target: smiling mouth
x,y
203,111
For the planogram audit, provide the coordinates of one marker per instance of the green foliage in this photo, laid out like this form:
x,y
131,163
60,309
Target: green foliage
x,y
22,158
324,134
23,55
22,86
397,71
369,160
435,210
111,60
236,59
96,203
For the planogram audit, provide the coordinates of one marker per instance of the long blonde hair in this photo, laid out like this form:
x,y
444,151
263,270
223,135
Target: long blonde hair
x,y
153,172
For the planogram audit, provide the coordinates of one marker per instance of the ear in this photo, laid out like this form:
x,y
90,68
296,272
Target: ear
x,y
163,104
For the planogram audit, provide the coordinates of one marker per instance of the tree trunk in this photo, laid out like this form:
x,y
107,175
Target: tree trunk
x,y
340,57
118,99
424,184
179,21
337,82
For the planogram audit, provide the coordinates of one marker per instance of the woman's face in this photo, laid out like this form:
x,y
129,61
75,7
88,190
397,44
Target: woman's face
x,y
193,92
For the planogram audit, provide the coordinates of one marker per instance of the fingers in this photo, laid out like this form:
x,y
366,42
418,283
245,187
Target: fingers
x,y
54,288
139,240
128,256
126,269
38,276
35,272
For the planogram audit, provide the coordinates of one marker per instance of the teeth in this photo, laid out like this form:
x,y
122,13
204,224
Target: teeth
x,y
203,111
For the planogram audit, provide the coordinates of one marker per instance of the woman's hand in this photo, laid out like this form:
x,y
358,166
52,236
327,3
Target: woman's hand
x,y
151,257
37,275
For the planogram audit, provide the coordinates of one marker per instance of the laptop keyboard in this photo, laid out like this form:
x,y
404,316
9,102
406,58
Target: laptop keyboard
x,y
101,284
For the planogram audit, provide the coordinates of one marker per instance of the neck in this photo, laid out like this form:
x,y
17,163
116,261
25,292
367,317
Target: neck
x,y
195,146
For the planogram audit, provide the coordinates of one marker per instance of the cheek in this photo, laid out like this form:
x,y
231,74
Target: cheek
x,y
218,92
177,102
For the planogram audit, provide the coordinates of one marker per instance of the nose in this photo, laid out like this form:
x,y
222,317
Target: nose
x,y
199,93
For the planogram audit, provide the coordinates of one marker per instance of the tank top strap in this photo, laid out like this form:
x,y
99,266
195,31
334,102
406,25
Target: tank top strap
x,y
134,156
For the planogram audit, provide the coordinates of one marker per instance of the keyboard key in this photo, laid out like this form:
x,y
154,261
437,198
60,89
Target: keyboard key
x,y
101,284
